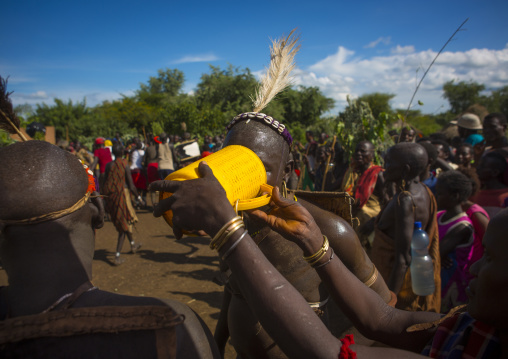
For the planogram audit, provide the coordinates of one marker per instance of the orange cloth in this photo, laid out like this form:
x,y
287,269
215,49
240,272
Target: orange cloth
x,y
383,256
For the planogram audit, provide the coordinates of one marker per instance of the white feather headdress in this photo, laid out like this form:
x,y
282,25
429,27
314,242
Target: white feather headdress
x,y
278,76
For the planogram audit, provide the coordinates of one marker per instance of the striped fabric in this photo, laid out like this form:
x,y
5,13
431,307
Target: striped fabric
x,y
463,337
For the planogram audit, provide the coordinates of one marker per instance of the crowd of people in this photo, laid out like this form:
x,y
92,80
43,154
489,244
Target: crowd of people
x,y
280,264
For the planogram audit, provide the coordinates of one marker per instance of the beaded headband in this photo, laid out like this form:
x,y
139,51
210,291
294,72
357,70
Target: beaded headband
x,y
60,213
265,119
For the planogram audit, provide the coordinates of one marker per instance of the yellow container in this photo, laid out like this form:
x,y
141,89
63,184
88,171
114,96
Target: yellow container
x,y
238,169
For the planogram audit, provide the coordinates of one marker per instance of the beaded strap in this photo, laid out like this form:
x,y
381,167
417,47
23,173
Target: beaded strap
x,y
265,119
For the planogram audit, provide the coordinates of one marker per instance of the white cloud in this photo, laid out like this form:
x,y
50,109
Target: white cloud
x,y
92,97
196,58
344,73
403,49
382,40
34,96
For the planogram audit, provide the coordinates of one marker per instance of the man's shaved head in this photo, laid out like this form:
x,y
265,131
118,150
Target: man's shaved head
x,y
408,154
37,178
269,145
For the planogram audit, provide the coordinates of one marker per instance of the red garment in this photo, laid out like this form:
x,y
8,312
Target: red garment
x,y
491,197
139,179
366,184
152,173
104,155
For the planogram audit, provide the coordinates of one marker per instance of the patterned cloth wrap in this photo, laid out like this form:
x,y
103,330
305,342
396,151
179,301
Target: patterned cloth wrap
x,y
462,336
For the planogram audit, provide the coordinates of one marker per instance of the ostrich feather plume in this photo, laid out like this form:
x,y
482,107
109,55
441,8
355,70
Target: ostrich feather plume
x,y
278,75
9,122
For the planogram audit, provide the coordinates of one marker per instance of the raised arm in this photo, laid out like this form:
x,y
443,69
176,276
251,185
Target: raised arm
x,y
364,307
283,312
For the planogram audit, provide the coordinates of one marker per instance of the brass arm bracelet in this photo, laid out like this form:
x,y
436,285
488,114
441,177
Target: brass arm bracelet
x,y
372,278
319,254
318,258
229,232
213,243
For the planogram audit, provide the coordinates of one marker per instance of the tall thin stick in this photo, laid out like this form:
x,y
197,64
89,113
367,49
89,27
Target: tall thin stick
x,y
428,68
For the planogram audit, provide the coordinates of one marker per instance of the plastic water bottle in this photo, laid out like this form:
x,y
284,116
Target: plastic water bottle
x,y
422,269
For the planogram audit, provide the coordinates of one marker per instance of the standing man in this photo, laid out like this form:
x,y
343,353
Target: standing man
x,y
118,186
165,157
391,249
365,182
102,156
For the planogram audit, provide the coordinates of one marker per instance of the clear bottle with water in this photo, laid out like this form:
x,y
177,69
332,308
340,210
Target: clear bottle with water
x,y
422,269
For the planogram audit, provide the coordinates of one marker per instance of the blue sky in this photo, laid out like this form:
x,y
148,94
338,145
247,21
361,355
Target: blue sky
x,y
100,49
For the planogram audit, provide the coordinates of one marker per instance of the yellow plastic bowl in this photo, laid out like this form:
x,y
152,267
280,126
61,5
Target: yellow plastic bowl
x,y
238,169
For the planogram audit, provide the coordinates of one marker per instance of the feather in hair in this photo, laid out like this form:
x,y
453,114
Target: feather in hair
x,y
278,76
8,120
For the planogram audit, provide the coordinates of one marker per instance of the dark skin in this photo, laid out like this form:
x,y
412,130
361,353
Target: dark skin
x,y
278,305
248,337
494,132
464,156
48,260
489,174
407,135
397,219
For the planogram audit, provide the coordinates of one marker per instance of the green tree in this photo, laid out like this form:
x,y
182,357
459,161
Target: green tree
x,y
357,123
163,88
498,100
461,95
304,105
378,102
230,89
65,116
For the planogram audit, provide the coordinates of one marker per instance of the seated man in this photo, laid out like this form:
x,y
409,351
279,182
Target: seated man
x,y
365,182
48,216
391,250
479,332
272,145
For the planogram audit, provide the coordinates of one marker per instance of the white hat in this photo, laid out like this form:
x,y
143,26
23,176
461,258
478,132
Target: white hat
x,y
470,121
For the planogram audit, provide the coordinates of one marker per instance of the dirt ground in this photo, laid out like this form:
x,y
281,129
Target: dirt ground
x,y
164,268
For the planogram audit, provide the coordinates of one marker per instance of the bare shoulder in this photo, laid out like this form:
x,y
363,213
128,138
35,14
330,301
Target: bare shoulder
x,y
326,220
341,236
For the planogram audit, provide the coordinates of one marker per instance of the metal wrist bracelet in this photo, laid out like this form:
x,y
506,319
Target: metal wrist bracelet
x,y
233,246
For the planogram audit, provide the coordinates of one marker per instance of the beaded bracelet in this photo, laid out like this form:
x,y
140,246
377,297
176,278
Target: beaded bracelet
x,y
319,254
215,240
233,246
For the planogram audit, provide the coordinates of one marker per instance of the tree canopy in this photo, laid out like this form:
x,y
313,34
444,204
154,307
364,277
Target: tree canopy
x,y
161,105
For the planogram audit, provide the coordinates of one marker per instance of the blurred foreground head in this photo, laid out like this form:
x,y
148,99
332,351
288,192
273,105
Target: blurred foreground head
x,y
37,178
488,290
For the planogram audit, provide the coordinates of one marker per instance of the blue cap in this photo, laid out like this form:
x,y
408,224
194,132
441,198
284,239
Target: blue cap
x,y
474,139
418,225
